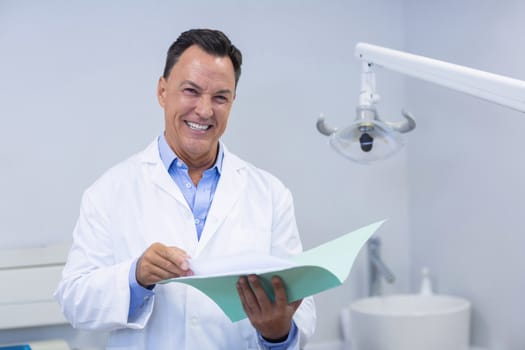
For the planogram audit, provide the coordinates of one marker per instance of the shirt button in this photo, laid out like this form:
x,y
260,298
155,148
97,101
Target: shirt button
x,y
194,321
188,185
197,221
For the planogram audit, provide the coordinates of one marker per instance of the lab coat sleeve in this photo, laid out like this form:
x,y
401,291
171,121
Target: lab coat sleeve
x,y
94,290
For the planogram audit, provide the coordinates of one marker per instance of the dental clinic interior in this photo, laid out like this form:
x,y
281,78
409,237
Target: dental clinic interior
x,y
325,86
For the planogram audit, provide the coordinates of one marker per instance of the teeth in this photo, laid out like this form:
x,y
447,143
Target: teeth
x,y
197,126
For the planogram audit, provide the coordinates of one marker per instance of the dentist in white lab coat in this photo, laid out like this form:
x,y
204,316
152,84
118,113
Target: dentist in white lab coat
x,y
185,196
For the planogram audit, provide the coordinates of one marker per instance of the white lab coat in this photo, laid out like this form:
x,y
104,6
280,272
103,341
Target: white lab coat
x,y
135,204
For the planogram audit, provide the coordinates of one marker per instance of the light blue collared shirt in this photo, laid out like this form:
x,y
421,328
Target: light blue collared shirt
x,y
199,199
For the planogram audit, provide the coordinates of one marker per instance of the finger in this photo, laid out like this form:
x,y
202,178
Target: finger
x,y
281,299
157,274
171,259
177,256
295,305
168,266
148,273
260,294
155,277
153,266
247,296
242,297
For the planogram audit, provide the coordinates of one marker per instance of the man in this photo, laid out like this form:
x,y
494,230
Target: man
x,y
184,196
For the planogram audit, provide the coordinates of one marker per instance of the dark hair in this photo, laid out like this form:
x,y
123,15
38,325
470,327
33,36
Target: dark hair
x,y
214,42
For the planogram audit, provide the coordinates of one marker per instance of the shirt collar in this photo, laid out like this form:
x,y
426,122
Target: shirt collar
x,y
168,156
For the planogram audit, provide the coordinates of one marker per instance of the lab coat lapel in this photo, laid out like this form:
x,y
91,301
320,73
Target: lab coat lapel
x,y
159,175
230,186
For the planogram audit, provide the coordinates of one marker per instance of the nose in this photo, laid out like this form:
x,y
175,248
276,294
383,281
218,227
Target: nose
x,y
204,107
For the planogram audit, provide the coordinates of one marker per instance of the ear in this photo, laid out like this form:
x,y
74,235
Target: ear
x,y
161,91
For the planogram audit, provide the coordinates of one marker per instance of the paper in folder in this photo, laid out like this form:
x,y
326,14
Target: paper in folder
x,y
308,273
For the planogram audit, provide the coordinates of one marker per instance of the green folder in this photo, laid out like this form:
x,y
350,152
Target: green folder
x,y
314,271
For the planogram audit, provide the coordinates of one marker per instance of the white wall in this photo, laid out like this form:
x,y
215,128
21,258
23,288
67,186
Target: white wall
x,y
77,94
466,166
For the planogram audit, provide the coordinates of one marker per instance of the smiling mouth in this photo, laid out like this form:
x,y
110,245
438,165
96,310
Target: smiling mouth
x,y
196,126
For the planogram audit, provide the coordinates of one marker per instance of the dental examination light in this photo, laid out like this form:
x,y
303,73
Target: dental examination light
x,y
369,138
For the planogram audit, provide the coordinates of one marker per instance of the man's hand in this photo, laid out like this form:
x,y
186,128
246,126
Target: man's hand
x,y
272,320
160,262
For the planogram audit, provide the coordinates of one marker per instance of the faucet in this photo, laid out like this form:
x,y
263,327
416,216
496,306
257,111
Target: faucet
x,y
376,267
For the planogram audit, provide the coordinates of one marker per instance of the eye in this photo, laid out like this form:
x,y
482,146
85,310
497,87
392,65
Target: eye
x,y
221,99
190,91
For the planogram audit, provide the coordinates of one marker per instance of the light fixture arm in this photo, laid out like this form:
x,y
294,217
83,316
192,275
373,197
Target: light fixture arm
x,y
368,97
369,138
495,88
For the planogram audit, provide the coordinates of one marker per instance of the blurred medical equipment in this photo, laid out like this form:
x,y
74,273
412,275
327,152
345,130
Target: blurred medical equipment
x,y
32,275
29,277
377,268
39,345
370,138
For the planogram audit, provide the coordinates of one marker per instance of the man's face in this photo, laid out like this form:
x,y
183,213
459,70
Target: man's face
x,y
197,98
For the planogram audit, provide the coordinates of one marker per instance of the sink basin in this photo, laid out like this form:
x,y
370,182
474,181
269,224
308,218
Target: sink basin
x,y
410,322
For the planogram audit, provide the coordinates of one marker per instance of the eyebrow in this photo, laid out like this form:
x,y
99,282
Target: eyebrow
x,y
189,82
